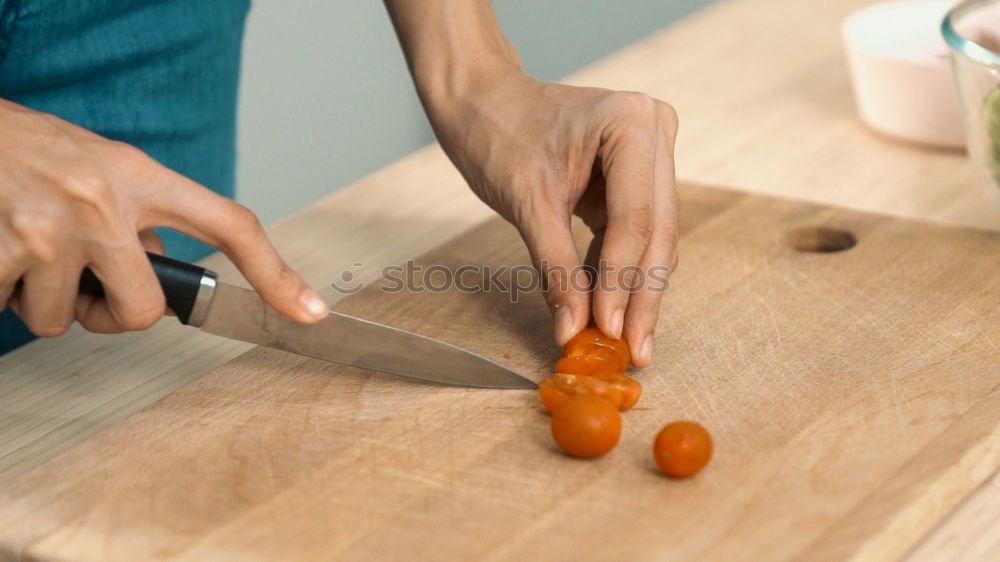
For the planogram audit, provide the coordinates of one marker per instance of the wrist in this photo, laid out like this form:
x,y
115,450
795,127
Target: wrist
x,y
458,80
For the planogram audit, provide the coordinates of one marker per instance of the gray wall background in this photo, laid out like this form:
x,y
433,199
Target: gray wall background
x,y
326,97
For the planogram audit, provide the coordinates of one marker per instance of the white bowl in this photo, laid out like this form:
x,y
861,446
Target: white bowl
x,y
902,78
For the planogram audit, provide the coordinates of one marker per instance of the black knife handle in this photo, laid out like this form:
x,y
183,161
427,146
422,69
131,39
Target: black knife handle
x,y
185,286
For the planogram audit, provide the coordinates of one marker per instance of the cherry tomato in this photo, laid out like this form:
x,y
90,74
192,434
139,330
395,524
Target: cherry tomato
x,y
553,390
590,364
551,394
586,426
682,449
591,341
630,390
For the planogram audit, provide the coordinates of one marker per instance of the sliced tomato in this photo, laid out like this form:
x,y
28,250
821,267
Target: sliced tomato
x,y
604,361
620,391
630,390
592,342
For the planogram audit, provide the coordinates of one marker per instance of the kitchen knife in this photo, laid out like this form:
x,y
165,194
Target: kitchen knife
x,y
199,299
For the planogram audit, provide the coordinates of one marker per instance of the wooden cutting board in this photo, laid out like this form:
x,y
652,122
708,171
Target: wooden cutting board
x,y
854,397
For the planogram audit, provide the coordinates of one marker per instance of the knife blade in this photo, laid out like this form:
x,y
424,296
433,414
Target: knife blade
x,y
200,300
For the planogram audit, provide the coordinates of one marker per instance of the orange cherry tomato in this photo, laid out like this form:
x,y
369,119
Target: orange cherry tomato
x,y
589,364
553,390
611,393
630,390
552,393
591,341
682,449
586,426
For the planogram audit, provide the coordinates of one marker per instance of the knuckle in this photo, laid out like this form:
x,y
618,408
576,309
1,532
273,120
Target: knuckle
x,y
39,232
636,106
243,219
668,115
88,187
91,200
640,223
50,328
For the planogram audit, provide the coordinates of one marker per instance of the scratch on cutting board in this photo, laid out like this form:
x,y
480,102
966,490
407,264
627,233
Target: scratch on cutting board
x,y
771,316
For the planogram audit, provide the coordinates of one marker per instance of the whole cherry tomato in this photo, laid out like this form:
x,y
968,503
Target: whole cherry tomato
x,y
591,341
586,426
682,449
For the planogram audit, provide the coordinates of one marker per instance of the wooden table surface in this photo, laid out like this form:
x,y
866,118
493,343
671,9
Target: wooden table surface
x,y
765,104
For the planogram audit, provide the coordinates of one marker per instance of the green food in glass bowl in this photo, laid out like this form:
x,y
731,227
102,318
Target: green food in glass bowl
x,y
991,113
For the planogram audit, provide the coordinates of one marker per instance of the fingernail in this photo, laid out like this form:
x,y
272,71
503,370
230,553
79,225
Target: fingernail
x,y
564,324
617,319
315,305
646,351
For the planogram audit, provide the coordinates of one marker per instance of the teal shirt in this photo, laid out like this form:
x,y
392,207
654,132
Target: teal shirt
x,y
161,75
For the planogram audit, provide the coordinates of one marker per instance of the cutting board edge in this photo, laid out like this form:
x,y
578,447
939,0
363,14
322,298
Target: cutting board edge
x,y
906,518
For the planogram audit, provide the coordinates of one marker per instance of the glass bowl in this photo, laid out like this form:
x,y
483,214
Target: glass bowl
x,y
972,31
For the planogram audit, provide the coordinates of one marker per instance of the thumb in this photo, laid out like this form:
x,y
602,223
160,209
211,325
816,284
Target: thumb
x,y
565,284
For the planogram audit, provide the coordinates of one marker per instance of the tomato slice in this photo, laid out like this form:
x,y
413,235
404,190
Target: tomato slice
x,y
609,392
591,364
630,390
554,390
620,391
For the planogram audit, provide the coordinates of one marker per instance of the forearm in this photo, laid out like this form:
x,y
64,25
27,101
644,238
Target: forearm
x,y
452,46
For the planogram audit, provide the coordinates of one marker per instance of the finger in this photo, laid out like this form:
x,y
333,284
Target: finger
x,y
94,313
660,257
235,231
151,242
102,322
564,283
10,273
628,167
133,298
593,257
45,300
